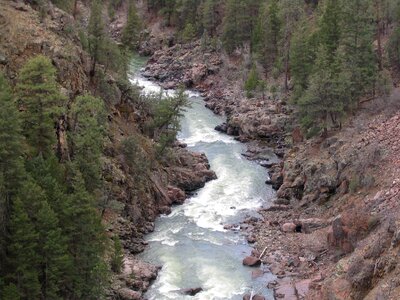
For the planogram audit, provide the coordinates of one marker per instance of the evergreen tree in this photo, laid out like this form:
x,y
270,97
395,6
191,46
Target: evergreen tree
x,y
268,33
11,166
252,82
23,259
96,33
304,46
166,124
41,104
321,104
210,17
86,241
238,23
88,123
117,261
131,32
330,28
188,33
54,260
357,57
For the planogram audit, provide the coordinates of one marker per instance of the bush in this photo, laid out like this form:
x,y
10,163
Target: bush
x,y
117,261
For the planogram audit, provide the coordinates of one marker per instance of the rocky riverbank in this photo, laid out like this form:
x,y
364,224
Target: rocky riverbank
x,y
332,228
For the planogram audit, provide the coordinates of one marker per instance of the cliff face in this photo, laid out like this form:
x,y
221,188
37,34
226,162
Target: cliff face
x,y
135,197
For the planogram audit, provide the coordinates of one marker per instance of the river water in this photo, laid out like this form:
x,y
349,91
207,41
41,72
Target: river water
x,y
190,243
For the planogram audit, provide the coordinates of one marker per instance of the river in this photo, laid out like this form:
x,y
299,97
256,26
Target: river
x,y
190,243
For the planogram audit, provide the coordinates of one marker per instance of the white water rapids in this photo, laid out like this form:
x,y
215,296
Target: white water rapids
x,y
190,243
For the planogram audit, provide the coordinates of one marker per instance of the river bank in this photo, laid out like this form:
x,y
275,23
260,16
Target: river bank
x,y
194,231
309,232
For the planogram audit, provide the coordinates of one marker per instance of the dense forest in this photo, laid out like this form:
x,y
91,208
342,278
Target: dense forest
x,y
328,56
330,53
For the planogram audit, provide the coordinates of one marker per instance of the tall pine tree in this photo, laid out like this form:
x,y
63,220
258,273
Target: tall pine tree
x,y
41,104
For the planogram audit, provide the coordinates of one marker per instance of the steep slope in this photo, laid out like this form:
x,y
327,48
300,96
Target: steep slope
x,y
135,197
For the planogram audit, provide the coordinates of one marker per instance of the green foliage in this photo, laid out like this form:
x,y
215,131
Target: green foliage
x,y
117,261
210,17
135,158
83,224
96,33
23,259
321,102
66,5
267,34
41,103
394,47
188,33
88,129
166,119
131,32
252,82
303,53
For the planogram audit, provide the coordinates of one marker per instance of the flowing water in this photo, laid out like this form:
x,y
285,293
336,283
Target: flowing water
x,y
190,243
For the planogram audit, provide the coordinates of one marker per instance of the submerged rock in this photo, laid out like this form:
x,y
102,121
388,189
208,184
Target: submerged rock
x,y
191,291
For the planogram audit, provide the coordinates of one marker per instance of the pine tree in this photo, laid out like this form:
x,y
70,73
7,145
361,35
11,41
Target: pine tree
x,y
86,241
131,32
117,261
11,165
88,123
54,260
96,33
321,104
304,46
268,34
210,17
23,259
238,23
252,82
188,33
166,124
358,60
41,104
330,28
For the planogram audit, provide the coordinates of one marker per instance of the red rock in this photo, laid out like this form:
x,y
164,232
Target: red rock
x,y
288,227
251,261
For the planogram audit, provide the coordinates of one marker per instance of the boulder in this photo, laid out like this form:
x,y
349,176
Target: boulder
x,y
128,294
251,261
289,227
176,195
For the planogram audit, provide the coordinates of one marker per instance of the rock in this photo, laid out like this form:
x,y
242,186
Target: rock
x,y
255,297
251,261
297,136
338,236
176,195
3,59
191,291
278,208
251,239
128,294
221,128
289,227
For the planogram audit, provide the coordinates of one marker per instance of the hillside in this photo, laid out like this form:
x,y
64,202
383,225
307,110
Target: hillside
x,y
87,162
